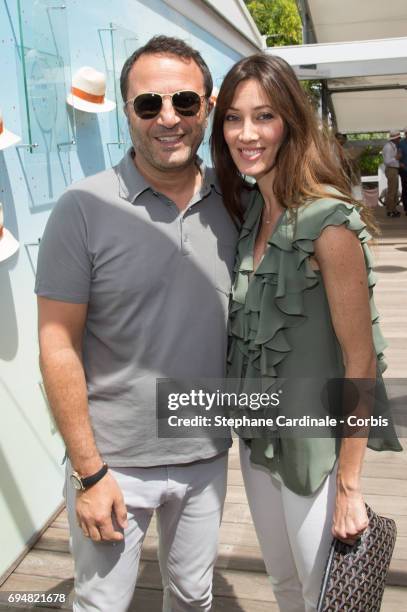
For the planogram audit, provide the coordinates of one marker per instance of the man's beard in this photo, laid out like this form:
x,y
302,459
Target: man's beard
x,y
145,149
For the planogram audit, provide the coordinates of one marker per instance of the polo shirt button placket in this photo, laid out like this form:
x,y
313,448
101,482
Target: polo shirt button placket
x,y
185,247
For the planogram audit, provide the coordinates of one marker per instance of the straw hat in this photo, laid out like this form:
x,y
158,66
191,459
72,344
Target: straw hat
x,y
214,95
8,244
88,91
393,134
7,139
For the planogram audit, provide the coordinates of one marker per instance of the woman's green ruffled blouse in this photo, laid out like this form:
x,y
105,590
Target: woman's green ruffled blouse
x,y
280,328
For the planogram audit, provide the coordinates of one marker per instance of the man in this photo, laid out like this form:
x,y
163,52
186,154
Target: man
x,y
391,161
403,169
348,158
342,139
133,278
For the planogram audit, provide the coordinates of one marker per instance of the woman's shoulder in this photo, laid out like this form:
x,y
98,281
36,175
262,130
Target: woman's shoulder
x,y
330,200
331,209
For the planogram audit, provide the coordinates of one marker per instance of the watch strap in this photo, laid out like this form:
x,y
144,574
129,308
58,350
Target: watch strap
x,y
94,478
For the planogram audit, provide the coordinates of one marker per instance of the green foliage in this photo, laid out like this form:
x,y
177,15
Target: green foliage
x,y
368,136
278,19
370,160
371,157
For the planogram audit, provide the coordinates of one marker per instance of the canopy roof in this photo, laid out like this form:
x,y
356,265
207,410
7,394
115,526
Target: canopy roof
x,y
361,51
229,21
334,21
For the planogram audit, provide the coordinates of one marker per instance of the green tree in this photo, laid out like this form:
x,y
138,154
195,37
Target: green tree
x,y
278,19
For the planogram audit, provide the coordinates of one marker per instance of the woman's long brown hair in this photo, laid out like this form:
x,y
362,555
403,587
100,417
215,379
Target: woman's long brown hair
x,y
306,165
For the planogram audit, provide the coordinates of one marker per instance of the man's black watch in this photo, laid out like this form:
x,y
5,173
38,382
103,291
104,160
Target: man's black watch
x,y
80,484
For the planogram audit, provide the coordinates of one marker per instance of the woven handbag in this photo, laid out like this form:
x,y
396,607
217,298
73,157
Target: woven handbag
x,y
355,574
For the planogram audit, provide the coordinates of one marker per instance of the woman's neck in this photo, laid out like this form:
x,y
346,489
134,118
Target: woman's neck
x,y
272,208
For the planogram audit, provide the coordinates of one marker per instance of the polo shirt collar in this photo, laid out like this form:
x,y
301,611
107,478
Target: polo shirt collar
x,y
132,183
210,179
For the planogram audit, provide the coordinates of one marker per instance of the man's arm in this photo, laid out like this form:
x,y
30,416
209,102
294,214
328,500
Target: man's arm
x,y
389,153
61,327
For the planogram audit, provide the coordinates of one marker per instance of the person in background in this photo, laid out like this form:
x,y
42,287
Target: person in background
x,y
403,169
391,156
302,310
134,274
349,161
342,139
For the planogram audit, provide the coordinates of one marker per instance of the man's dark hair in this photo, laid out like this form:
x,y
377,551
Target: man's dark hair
x,y
339,135
170,46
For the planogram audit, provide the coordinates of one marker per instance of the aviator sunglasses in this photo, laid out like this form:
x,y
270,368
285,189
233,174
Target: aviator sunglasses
x,y
148,105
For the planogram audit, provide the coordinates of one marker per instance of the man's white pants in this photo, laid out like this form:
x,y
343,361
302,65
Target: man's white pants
x,y
294,532
188,501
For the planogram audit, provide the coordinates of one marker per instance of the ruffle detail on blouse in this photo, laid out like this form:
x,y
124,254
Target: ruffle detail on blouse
x,y
274,302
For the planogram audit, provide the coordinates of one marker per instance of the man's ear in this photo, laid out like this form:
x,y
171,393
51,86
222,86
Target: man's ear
x,y
208,109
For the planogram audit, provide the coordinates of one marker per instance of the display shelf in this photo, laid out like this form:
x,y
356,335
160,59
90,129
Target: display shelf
x,y
44,59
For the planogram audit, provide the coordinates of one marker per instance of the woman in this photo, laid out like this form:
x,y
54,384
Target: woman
x,y
300,311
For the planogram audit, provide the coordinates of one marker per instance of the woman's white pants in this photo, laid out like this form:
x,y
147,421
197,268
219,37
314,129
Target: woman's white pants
x,y
294,532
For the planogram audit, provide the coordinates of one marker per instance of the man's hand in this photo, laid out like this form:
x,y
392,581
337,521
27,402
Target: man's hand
x,y
98,507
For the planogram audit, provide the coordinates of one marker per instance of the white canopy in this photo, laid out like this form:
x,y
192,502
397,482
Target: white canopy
x,y
334,21
229,21
362,54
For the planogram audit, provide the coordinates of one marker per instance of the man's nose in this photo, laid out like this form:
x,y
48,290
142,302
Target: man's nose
x,y
168,117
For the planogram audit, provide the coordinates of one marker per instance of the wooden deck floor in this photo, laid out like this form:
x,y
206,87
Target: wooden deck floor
x,y
240,583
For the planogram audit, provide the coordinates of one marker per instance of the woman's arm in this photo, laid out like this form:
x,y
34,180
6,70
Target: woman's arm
x,y
340,258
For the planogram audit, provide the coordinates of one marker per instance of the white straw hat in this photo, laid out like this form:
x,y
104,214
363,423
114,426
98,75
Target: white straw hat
x,y
88,91
7,139
214,95
393,134
8,244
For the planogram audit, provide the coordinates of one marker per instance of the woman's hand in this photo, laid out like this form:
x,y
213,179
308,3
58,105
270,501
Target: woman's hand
x,y
350,517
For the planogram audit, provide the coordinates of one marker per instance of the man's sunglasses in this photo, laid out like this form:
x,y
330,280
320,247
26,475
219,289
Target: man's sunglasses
x,y
148,105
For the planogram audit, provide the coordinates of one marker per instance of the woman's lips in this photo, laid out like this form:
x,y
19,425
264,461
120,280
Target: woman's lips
x,y
251,154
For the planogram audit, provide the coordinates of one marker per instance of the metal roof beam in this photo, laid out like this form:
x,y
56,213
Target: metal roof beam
x,y
346,59
308,31
334,90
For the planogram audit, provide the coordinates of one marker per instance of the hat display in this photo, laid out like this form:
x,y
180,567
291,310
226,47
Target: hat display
x,y
7,139
214,95
88,91
393,134
8,244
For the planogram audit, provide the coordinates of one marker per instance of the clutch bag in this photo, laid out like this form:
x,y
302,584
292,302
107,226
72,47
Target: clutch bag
x,y
355,575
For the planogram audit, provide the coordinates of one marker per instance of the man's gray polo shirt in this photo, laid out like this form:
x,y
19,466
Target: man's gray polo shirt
x,y
156,282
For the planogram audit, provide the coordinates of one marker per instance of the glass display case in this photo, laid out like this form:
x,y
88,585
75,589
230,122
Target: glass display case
x,y
118,44
44,59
